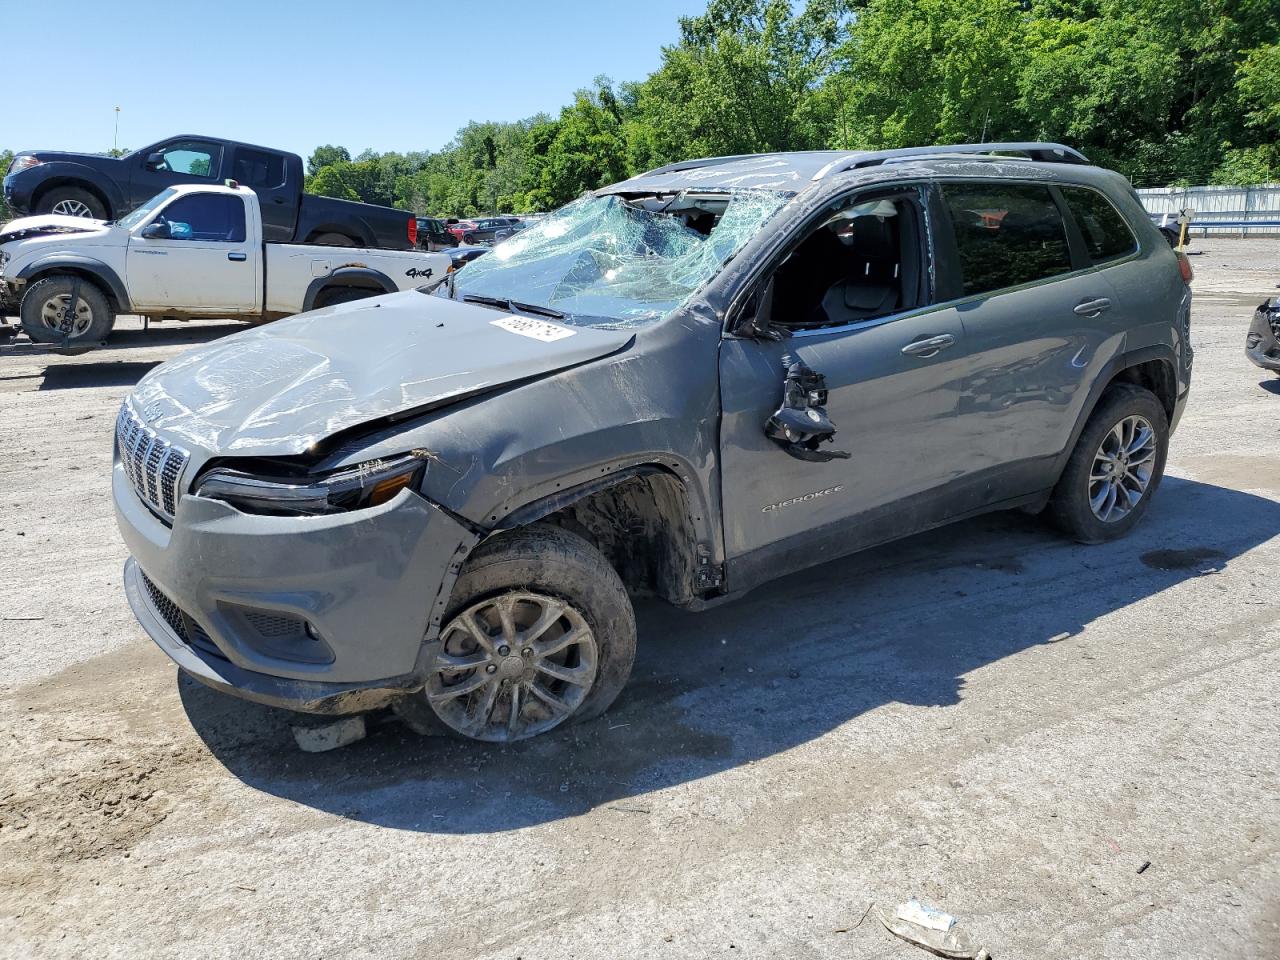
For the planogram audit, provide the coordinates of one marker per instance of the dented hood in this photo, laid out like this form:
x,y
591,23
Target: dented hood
x,y
278,389
48,223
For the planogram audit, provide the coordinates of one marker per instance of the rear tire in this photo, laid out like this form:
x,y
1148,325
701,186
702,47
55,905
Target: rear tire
x,y
333,240
72,202
46,301
331,296
1115,468
552,585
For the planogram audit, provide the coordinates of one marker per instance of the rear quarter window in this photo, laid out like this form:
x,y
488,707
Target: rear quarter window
x,y
1006,234
1106,234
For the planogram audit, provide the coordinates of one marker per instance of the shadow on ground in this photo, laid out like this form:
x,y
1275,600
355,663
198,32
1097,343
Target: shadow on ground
x,y
106,373
792,661
1271,385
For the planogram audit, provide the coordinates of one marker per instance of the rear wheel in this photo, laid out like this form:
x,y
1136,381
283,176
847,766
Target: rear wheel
x,y
72,202
539,632
333,240
47,314
1116,467
331,296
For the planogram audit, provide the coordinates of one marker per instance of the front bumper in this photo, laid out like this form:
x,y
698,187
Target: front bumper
x,y
320,614
1262,344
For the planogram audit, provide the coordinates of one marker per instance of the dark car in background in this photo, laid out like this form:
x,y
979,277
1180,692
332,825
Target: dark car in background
x,y
433,234
107,188
489,229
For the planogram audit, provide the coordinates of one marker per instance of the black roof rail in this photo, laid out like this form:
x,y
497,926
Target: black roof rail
x,y
1043,152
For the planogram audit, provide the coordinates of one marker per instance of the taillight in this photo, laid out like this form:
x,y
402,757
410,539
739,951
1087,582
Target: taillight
x,y
1184,266
413,232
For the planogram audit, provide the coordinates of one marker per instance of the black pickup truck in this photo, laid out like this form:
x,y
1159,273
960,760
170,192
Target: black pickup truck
x,y
106,188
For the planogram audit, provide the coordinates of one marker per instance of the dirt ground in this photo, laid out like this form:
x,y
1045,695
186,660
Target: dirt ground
x,y
1000,723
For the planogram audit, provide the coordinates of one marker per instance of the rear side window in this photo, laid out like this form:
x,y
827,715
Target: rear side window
x,y
1007,234
1106,235
256,168
206,216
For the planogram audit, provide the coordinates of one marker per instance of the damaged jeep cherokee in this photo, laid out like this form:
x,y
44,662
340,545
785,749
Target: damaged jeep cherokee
x,y
681,385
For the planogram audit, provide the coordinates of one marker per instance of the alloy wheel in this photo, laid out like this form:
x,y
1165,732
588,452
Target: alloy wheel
x,y
512,667
72,208
1122,469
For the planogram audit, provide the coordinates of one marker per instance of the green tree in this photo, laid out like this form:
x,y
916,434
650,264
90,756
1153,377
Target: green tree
x,y
326,155
6,158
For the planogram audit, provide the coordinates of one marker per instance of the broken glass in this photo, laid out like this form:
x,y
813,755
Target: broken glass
x,y
608,261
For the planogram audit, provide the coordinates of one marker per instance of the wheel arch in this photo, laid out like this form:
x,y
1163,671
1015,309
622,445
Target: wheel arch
x,y
645,520
360,278
109,202
1153,368
86,268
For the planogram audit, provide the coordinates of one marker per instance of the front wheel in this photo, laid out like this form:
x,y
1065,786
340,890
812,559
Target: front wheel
x,y
48,316
72,202
1115,468
539,632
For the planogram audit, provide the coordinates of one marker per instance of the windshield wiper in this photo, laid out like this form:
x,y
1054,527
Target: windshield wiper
x,y
511,306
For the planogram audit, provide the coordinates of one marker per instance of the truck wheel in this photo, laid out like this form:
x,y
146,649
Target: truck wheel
x,y
334,240
47,304
539,632
1116,467
72,202
330,296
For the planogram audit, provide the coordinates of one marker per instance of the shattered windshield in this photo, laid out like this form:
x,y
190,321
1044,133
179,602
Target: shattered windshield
x,y
608,261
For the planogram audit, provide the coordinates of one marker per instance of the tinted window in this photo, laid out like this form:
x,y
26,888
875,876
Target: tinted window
x,y
255,168
194,157
1106,235
1007,234
206,216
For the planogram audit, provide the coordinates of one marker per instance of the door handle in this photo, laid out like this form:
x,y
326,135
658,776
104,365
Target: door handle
x,y
279,200
1091,308
238,257
930,346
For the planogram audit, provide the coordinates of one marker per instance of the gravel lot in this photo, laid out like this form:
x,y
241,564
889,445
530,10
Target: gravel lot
x,y
1003,724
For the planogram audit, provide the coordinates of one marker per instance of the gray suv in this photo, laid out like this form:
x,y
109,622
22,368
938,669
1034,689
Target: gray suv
x,y
682,385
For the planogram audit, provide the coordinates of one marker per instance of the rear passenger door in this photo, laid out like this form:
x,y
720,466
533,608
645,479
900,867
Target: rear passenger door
x,y
265,173
1039,323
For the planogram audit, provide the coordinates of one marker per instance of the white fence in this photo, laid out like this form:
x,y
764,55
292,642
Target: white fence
x,y
1222,211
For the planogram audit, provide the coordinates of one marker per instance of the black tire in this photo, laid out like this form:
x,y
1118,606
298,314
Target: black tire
x,y
72,197
549,561
1069,507
468,238
45,297
331,296
333,240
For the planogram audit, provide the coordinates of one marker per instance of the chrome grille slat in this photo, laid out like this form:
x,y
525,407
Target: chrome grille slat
x,y
152,465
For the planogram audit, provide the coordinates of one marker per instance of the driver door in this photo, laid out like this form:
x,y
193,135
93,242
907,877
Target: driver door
x,y
178,161
206,263
853,299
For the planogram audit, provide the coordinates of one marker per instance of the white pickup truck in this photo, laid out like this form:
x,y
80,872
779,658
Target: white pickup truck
x,y
190,251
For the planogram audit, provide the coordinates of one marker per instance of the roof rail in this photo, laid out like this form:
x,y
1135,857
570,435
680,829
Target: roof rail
x,y
1044,152
695,164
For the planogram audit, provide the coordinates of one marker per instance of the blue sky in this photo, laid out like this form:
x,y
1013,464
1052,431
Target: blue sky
x,y
361,73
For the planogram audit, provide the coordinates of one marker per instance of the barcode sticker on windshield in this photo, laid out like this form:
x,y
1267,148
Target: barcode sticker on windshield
x,y
537,329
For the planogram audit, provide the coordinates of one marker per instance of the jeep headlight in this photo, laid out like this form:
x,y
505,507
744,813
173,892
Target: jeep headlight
x,y
356,487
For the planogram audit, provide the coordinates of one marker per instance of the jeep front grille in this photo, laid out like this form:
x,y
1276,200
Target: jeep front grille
x,y
154,466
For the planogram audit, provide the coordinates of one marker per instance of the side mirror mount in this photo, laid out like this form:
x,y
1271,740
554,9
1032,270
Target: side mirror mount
x,y
154,161
157,230
757,322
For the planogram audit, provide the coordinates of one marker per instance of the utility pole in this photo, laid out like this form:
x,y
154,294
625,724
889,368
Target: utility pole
x,y
115,142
